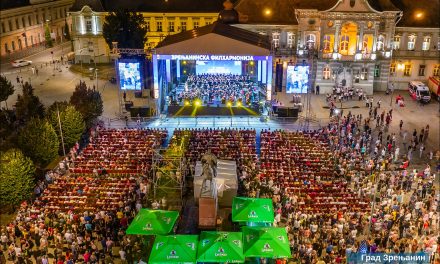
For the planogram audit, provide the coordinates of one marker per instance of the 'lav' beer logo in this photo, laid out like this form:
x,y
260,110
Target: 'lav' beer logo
x,y
220,252
173,255
267,248
253,214
148,227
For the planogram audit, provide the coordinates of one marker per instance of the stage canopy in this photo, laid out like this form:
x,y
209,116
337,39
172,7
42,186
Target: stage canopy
x,y
174,249
220,247
215,39
266,242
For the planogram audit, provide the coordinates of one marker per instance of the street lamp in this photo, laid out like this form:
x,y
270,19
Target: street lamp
x,y
80,53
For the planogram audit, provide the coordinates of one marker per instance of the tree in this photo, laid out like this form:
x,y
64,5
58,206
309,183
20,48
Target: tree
x,y
66,31
129,29
6,89
47,36
16,178
72,124
28,105
39,141
88,102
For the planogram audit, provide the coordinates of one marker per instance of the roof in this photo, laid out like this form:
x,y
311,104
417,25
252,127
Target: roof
x,y
219,29
166,6
430,10
95,5
282,10
8,4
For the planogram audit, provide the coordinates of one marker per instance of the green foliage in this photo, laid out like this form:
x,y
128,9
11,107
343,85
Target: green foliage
x,y
6,89
66,31
28,105
16,178
129,29
49,42
88,102
72,124
39,141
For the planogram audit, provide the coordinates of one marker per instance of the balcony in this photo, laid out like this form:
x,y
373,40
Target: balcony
x,y
340,57
416,53
280,52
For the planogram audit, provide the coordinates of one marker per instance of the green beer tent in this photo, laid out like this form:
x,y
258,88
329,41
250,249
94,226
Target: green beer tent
x,y
223,247
252,210
267,242
152,222
176,249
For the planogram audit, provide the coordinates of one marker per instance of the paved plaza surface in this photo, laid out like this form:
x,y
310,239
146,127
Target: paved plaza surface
x,y
55,85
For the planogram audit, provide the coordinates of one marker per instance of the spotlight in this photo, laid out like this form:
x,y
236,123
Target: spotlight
x,y
239,104
197,102
186,102
229,104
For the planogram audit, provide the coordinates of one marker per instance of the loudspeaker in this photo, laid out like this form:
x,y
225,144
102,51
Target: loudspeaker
x,y
288,112
142,111
279,77
128,105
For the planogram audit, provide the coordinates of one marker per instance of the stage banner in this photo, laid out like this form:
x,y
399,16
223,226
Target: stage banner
x,y
279,77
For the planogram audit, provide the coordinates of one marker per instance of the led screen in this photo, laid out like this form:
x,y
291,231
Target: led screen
x,y
297,79
129,75
218,67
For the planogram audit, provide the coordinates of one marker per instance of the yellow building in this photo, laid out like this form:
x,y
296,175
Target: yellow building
x,y
163,17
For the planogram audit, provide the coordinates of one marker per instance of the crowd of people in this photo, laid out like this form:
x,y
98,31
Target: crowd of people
x,y
82,209
333,189
219,89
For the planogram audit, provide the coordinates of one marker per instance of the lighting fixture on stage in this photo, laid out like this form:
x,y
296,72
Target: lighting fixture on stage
x,y
197,103
186,103
229,104
239,104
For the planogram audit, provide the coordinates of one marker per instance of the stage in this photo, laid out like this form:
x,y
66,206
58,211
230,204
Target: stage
x,y
211,110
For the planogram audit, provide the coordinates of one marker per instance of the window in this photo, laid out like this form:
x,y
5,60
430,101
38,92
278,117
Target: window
x,y
196,23
159,26
345,39
147,25
3,28
376,70
396,42
275,39
407,70
422,70
183,26
6,48
380,42
10,25
310,41
426,43
23,21
17,25
411,42
90,46
290,39
365,45
326,43
364,74
171,26
88,25
13,45
207,21
326,73
29,20
37,18
436,71
392,69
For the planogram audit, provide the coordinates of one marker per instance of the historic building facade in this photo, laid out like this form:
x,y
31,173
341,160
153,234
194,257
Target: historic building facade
x,y
23,24
162,20
368,44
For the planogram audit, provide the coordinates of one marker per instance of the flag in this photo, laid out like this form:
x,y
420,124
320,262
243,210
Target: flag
x,y
363,247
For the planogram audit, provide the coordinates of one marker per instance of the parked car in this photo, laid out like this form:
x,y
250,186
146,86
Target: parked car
x,y
21,63
419,91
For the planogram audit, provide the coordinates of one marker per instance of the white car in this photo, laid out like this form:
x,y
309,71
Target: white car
x,y
21,63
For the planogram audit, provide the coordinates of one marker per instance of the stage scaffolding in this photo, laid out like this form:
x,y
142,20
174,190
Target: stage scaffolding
x,y
169,172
